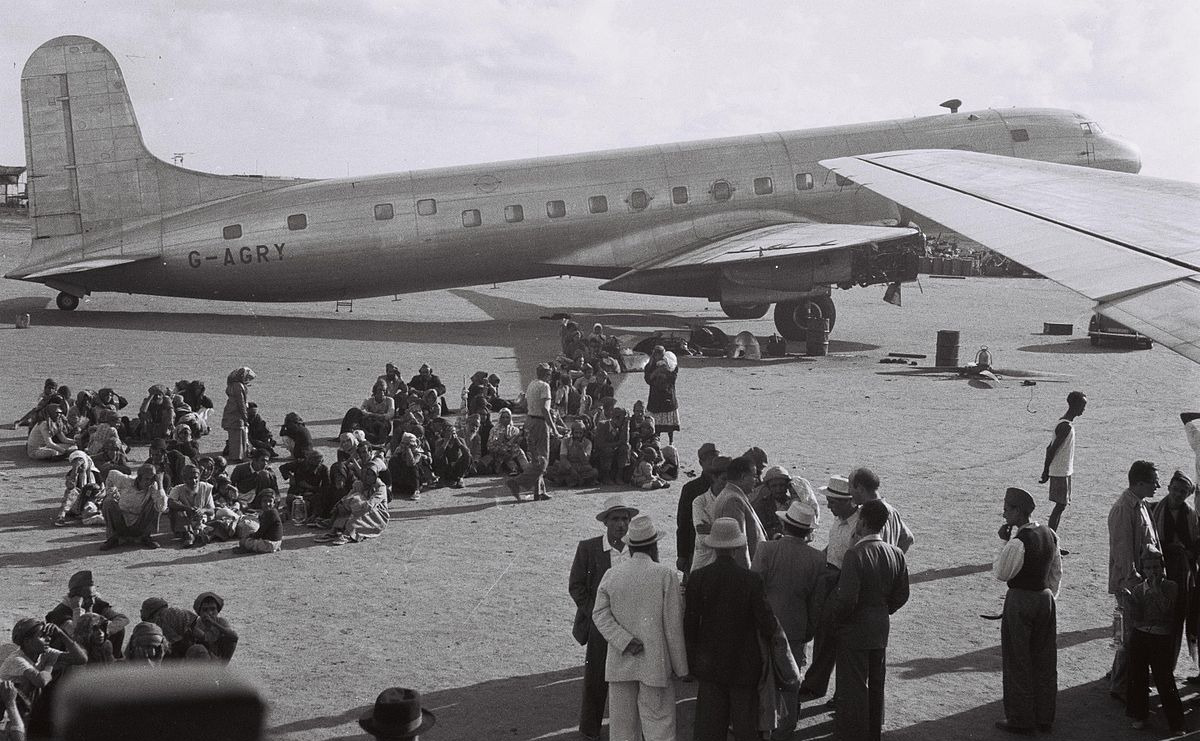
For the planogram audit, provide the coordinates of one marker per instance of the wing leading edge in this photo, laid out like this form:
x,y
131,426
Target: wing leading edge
x,y
1130,242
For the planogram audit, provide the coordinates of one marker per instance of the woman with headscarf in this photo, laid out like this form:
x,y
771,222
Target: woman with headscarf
x,y
361,514
504,446
660,374
235,418
211,631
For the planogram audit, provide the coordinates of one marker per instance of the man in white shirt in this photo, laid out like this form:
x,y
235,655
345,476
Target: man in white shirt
x,y
841,538
702,512
537,437
1060,458
1031,565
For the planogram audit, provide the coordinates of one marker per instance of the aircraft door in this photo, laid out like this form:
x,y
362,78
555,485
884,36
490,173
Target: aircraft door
x,y
1089,150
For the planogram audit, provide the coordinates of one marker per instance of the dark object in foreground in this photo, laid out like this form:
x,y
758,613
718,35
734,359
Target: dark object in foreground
x,y
182,701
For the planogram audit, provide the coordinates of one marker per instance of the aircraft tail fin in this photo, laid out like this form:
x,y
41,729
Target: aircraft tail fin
x,y
91,177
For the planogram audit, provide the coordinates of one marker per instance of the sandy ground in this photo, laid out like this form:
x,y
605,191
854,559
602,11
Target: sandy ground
x,y
465,598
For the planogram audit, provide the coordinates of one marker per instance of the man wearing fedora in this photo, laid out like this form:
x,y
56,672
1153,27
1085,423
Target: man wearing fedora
x,y
725,613
594,557
793,573
841,538
873,584
1032,567
639,610
398,716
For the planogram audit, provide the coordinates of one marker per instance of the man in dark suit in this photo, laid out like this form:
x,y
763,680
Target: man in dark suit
x,y
872,585
725,613
593,557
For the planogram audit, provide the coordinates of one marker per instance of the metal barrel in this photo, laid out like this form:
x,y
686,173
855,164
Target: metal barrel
x,y
947,349
816,336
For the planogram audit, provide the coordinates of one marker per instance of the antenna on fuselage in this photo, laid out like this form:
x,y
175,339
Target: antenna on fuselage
x,y
953,104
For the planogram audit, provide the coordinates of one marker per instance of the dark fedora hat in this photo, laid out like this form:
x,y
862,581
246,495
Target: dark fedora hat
x,y
397,715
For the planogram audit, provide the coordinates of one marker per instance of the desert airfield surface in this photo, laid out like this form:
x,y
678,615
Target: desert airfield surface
x,y
465,595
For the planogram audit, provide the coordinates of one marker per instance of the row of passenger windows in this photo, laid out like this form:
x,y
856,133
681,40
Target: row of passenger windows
x,y
638,200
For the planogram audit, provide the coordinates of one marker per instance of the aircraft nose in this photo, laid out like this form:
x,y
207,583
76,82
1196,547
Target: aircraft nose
x,y
1120,155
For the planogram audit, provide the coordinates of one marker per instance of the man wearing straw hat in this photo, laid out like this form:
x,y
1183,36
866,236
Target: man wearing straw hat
x,y
639,610
593,558
841,538
725,613
793,573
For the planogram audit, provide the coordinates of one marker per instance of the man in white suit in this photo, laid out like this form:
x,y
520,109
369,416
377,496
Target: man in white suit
x,y
639,610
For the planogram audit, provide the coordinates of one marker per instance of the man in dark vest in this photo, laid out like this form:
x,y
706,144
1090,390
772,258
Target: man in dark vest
x,y
725,613
593,558
1031,564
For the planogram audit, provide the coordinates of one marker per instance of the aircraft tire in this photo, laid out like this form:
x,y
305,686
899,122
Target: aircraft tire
x,y
792,324
744,311
67,302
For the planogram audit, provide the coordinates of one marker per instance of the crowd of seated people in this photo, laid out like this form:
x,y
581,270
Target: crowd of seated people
x,y
83,628
401,434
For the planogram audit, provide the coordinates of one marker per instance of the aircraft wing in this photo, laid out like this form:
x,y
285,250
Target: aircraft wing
x,y
768,263
1130,242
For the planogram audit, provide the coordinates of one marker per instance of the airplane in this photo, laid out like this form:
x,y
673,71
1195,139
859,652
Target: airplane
x,y
1130,243
745,221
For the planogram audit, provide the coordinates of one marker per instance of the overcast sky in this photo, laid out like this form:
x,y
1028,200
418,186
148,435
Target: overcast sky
x,y
358,87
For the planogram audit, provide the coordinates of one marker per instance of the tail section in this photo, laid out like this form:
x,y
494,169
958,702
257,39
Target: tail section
x,y
91,178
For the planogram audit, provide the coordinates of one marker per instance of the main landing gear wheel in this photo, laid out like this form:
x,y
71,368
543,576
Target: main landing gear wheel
x,y
744,311
791,321
67,302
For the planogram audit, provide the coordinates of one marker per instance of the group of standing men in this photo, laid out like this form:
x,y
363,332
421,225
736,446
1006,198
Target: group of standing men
x,y
739,621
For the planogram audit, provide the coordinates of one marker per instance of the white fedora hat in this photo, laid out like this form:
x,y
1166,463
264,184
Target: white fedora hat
x,y
799,514
837,488
726,533
642,531
616,501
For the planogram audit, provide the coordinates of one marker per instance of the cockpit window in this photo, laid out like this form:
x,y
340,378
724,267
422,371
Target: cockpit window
x,y
1091,127
1020,135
